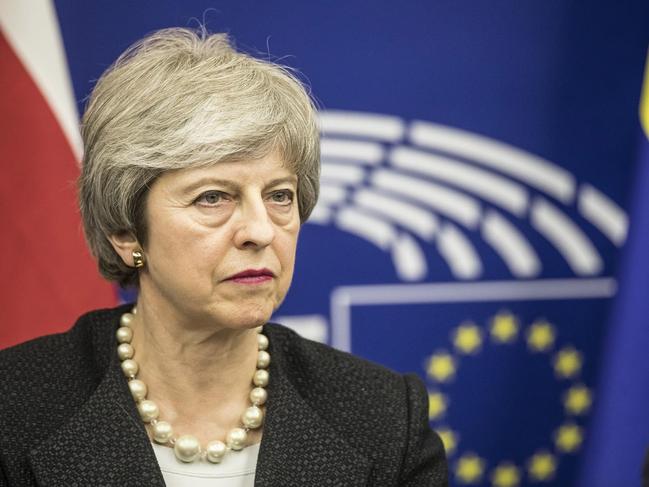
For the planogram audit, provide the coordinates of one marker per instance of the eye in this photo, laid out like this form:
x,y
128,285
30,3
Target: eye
x,y
210,198
283,197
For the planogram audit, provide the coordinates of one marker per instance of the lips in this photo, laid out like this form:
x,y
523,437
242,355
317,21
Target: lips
x,y
253,273
252,276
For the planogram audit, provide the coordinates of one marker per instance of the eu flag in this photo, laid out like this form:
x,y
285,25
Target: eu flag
x,y
620,431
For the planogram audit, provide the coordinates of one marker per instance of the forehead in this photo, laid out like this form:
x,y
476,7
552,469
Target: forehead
x,y
242,172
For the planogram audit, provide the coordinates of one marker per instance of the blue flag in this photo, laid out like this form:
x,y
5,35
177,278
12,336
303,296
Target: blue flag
x,y
620,433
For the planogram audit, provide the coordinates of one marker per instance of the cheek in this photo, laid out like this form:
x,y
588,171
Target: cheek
x,y
286,248
185,248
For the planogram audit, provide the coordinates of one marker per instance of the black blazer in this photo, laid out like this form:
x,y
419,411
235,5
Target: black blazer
x,y
67,417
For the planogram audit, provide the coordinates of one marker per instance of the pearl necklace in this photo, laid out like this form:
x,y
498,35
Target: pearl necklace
x,y
187,448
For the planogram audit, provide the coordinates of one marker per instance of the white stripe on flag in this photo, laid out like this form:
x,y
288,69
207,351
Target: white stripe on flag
x,y
32,29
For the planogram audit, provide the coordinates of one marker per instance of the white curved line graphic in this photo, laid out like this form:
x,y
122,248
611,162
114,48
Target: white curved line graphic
x,y
511,245
374,126
451,203
495,189
570,241
440,177
320,215
331,194
376,231
602,212
409,216
408,257
354,150
532,170
409,260
458,252
339,173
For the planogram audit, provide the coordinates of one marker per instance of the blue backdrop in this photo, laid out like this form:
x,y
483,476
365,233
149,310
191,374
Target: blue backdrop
x,y
477,167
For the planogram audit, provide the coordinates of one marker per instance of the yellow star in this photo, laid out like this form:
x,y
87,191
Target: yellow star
x,y
577,399
568,437
469,469
542,466
441,366
504,328
505,475
567,363
540,336
467,338
449,439
437,405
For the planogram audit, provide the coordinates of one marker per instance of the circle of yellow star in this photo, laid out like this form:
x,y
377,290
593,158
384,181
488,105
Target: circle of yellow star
x,y
441,366
567,363
467,338
505,475
577,399
504,328
469,469
437,404
449,439
568,438
542,466
540,336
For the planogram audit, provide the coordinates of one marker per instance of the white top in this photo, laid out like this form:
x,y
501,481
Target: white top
x,y
237,469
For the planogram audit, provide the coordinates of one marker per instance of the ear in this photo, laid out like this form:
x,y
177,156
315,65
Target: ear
x,y
124,244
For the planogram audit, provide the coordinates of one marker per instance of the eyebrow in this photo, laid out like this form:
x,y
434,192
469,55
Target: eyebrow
x,y
231,184
288,179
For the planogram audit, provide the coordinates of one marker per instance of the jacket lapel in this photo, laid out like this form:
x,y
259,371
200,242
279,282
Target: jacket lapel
x,y
298,447
105,443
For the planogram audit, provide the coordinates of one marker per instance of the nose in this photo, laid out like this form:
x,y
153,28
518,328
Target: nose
x,y
254,229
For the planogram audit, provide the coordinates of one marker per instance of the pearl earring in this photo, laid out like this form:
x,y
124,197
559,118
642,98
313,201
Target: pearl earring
x,y
138,258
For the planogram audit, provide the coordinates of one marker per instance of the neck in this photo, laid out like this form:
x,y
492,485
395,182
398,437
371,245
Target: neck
x,y
174,347
196,372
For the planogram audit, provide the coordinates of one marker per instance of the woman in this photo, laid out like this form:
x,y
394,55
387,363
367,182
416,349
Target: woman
x,y
200,165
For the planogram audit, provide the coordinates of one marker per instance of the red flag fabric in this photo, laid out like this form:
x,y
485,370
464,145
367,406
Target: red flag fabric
x,y
48,276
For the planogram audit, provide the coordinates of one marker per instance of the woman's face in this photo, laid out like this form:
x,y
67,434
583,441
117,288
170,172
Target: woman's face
x,y
207,225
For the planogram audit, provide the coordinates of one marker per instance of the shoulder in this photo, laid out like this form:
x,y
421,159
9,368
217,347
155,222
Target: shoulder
x,y
380,413
36,363
344,389
83,346
51,376
325,365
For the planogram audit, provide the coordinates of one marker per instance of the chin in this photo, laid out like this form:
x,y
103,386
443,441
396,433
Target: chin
x,y
252,321
251,318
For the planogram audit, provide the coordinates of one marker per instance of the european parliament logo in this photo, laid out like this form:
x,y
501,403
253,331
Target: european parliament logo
x,y
482,266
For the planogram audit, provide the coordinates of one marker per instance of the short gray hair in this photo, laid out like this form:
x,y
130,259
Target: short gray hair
x,y
184,98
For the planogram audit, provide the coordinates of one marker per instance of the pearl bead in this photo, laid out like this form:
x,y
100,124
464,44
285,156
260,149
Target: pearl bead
x,y
162,432
126,319
215,451
262,342
124,334
260,378
134,310
258,396
138,389
148,410
130,367
187,448
237,438
125,351
260,329
263,359
252,417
